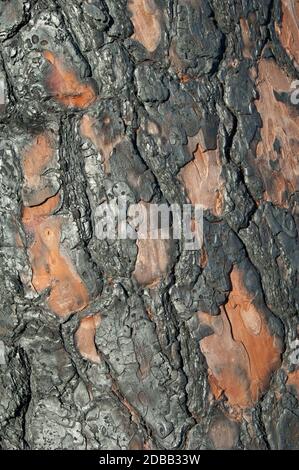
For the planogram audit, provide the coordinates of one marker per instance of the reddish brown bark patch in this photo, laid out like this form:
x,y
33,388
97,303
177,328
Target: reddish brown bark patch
x,y
101,135
50,267
37,157
293,381
242,353
288,32
146,19
152,262
65,86
85,338
31,214
202,177
278,150
137,443
247,43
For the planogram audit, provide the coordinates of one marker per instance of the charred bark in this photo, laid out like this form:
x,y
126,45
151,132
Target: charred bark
x,y
118,344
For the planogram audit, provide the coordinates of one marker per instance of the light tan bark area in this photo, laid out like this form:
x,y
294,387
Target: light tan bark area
x,y
146,19
279,168
85,338
202,176
153,258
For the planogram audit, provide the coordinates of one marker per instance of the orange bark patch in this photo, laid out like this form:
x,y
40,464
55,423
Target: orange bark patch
x,y
102,141
65,86
242,354
293,380
153,258
289,31
146,19
35,161
202,177
50,268
31,214
203,259
278,169
85,338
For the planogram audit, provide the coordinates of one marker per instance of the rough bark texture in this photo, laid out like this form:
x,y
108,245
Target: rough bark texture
x,y
125,345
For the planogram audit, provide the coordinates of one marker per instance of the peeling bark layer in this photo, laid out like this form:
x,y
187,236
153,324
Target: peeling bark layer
x,y
145,344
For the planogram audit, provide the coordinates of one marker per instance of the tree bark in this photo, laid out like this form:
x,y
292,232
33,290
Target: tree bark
x,y
125,344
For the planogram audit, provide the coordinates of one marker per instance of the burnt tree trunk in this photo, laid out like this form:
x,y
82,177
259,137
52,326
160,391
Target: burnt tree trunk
x,y
125,344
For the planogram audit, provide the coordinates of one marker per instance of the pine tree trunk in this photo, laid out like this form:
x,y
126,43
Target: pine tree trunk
x,y
125,344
